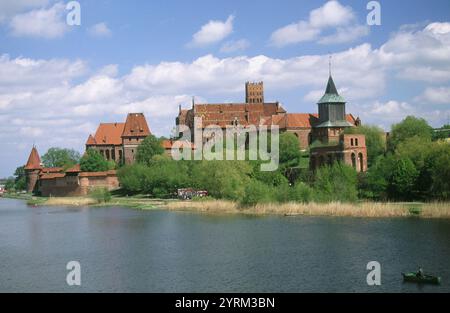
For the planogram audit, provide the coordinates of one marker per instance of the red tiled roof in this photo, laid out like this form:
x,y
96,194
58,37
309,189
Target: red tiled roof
x,y
91,141
300,120
51,170
136,126
167,144
108,134
34,161
97,174
51,175
74,169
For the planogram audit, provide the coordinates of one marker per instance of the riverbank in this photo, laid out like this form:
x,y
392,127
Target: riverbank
x,y
360,209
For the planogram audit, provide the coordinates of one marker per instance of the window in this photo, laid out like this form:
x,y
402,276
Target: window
x,y
351,142
356,141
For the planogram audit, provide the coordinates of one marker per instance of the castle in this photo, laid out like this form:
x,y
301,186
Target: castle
x,y
323,133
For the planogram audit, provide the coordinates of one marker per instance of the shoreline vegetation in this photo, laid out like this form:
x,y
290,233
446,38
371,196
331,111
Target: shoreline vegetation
x,y
211,206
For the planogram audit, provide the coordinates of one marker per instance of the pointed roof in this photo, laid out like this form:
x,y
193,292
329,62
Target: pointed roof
x,y
34,161
91,141
331,94
136,126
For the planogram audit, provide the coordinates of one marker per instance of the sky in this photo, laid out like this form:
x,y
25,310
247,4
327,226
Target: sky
x,y
59,81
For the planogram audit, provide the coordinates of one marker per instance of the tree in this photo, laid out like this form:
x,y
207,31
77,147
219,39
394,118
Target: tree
x,y
289,150
403,179
20,180
336,183
93,161
375,141
442,133
150,147
58,157
409,127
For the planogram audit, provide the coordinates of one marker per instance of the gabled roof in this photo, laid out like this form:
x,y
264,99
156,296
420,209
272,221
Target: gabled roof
x,y
90,141
331,95
107,134
136,126
34,161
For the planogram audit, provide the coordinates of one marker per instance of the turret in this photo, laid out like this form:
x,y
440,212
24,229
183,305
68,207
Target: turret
x,y
32,170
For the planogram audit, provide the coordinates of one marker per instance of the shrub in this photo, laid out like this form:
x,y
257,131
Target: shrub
x,y
100,194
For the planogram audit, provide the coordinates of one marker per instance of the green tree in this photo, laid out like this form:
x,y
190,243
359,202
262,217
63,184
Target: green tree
x,y
256,192
150,147
93,161
10,184
375,141
289,150
442,133
222,179
403,179
20,180
337,182
409,127
437,171
58,157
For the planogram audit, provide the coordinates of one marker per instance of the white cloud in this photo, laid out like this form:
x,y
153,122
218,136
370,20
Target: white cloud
x,y
435,95
235,45
212,32
9,8
331,15
100,30
345,34
44,22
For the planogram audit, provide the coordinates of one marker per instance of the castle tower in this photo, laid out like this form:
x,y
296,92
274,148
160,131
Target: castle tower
x,y
134,132
32,170
332,117
254,92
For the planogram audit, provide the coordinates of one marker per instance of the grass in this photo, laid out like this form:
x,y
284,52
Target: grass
x,y
363,209
209,205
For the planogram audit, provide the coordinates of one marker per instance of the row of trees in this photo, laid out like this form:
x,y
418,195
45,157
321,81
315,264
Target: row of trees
x,y
414,164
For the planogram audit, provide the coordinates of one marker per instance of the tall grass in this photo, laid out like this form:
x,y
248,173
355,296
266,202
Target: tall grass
x,y
363,209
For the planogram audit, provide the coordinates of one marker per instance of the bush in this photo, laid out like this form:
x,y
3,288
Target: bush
x,y
100,194
335,183
257,192
93,161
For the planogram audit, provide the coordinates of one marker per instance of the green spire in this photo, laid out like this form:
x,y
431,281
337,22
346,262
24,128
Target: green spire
x,y
331,95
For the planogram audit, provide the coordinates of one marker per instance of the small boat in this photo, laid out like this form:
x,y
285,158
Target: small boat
x,y
421,279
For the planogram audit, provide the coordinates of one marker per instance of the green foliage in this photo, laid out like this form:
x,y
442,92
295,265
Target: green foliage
x,y
149,147
20,180
402,179
132,178
375,141
93,161
336,183
58,157
289,150
100,194
411,126
10,184
257,192
222,179
437,171
442,133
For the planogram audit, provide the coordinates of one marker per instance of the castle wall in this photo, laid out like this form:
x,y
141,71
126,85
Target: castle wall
x,y
79,185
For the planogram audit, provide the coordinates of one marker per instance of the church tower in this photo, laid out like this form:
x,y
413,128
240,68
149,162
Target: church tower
x,y
332,117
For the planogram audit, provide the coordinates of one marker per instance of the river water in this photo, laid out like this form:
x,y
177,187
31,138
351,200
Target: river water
x,y
121,249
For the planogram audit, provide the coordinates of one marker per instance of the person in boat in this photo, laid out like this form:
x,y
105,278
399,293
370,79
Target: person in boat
x,y
420,273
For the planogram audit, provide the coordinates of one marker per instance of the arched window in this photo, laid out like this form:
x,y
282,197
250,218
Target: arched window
x,y
361,162
107,154
356,141
351,142
354,161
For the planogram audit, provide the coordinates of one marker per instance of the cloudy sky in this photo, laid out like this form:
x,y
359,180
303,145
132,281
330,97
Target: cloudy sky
x,y
57,82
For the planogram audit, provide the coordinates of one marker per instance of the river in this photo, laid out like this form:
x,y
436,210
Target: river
x,y
121,249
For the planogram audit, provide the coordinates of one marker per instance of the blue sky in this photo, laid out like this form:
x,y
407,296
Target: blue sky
x,y
57,82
